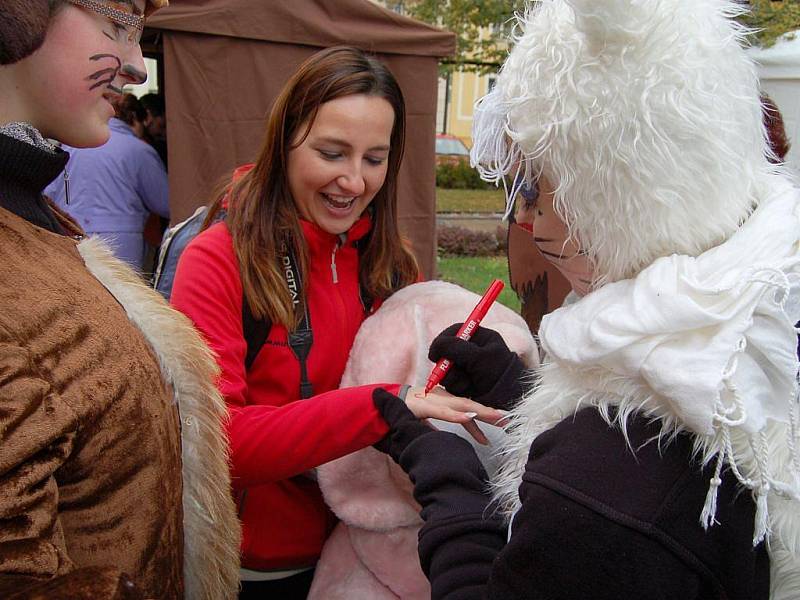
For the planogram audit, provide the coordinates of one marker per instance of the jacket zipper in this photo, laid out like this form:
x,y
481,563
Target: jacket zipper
x,y
339,243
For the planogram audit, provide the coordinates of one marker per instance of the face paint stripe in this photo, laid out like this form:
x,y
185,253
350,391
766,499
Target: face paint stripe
x,y
95,76
559,256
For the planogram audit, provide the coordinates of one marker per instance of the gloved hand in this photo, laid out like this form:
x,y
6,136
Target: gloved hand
x,y
439,462
404,427
482,368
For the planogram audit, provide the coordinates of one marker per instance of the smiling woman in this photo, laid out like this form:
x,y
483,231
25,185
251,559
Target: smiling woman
x,y
339,164
310,243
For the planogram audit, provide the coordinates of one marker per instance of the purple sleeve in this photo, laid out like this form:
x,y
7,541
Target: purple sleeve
x,y
152,183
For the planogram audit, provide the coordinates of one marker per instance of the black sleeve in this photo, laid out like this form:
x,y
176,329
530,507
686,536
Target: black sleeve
x,y
561,549
461,536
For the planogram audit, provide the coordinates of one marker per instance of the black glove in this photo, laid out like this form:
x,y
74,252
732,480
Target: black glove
x,y
435,460
462,534
404,427
482,368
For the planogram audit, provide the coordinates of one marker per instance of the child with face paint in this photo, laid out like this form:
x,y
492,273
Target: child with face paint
x,y
311,229
114,480
656,453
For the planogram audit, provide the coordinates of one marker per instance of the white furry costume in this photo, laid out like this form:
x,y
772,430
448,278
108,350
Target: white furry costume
x,y
645,114
372,552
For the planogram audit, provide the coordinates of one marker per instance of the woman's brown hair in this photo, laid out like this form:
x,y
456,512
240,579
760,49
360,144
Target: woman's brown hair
x,y
262,216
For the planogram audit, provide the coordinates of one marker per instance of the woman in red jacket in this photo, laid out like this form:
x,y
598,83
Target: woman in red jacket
x,y
311,230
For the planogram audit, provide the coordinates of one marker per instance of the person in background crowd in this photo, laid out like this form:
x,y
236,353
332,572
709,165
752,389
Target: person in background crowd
x,y
310,242
113,470
130,111
155,124
155,134
111,190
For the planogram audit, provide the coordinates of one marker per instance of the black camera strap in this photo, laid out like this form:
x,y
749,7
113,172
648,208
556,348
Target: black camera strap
x,y
256,330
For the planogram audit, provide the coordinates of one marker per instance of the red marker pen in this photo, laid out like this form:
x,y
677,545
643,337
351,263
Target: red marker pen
x,y
473,320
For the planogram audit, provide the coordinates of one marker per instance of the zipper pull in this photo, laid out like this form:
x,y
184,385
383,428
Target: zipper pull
x,y
334,274
339,243
66,187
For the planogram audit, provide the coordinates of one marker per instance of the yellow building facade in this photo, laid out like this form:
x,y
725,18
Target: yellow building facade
x,y
458,92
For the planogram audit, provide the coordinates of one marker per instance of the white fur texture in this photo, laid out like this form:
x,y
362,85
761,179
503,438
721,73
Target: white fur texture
x,y
644,113
211,529
366,490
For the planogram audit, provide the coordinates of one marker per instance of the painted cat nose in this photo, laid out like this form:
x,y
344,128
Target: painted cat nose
x,y
133,69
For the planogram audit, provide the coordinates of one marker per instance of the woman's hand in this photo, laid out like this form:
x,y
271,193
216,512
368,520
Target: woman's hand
x,y
439,404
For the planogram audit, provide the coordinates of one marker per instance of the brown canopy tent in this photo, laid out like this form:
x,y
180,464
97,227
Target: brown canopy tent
x,y
224,62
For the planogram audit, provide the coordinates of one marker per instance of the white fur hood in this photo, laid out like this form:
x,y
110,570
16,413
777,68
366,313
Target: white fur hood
x,y
644,113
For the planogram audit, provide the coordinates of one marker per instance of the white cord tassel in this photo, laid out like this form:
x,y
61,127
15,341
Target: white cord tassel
x,y
708,516
762,528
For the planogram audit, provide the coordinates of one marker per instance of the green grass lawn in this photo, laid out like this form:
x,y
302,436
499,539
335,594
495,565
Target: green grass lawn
x,y
476,273
470,201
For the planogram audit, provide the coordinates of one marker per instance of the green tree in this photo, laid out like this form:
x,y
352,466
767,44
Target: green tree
x,y
770,19
482,28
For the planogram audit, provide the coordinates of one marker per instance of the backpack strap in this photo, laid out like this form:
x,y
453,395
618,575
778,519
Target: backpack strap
x,y
301,339
367,301
255,333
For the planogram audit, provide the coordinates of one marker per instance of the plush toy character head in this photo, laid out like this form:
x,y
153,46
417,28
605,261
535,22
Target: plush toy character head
x,y
372,553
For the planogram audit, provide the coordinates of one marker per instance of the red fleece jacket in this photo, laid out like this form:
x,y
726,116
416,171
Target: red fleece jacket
x,y
275,437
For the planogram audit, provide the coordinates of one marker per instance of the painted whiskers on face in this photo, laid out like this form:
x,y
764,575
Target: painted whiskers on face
x,y
551,237
106,77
